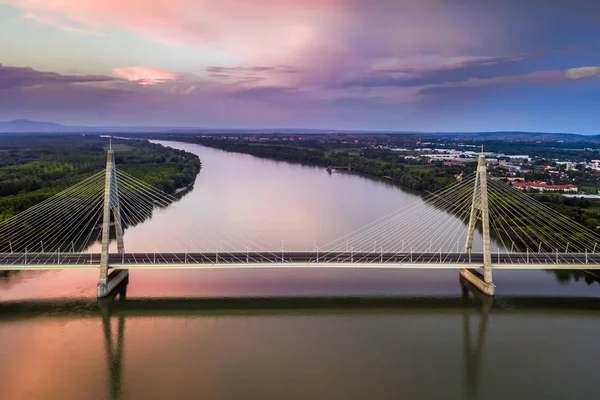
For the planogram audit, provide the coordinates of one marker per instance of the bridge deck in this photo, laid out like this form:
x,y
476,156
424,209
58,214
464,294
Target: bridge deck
x,y
41,261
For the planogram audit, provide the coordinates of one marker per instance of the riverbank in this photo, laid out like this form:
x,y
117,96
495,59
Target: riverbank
x,y
376,163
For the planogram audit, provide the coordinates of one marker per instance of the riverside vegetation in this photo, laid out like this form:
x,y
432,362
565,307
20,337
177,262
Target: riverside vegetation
x,y
34,168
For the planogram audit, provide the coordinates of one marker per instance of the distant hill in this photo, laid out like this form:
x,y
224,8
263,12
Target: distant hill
x,y
519,136
25,125
28,126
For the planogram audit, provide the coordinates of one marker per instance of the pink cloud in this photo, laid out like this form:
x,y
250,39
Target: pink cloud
x,y
324,33
145,75
181,22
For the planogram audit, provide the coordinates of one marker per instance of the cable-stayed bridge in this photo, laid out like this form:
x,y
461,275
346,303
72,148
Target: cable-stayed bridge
x,y
475,223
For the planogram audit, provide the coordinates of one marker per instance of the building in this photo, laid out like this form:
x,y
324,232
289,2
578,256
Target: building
x,y
544,187
523,158
595,165
506,178
516,168
569,166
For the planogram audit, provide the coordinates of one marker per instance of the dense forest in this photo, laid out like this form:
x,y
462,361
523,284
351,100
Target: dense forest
x,y
579,210
34,168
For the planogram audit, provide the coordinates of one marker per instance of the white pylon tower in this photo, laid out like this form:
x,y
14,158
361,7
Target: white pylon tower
x,y
111,203
480,211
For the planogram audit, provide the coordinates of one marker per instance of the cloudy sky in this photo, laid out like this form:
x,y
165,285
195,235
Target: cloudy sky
x,y
427,65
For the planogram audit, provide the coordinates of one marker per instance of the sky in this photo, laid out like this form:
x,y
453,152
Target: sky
x,y
395,65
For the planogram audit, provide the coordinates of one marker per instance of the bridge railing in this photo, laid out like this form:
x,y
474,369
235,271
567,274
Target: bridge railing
x,y
41,260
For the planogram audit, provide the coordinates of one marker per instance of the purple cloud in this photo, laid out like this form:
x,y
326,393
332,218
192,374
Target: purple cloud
x,y
483,86
245,75
278,68
21,77
263,93
489,68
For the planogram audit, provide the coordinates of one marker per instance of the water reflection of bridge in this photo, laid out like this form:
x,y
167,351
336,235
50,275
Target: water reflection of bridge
x,y
473,308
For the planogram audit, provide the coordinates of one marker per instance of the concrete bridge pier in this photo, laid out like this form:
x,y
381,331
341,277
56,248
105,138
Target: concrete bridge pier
x,y
478,281
113,280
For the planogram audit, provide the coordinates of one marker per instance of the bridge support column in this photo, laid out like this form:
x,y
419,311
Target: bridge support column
x,y
480,211
107,282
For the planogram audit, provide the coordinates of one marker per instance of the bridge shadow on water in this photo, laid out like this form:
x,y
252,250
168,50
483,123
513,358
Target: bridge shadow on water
x,y
472,307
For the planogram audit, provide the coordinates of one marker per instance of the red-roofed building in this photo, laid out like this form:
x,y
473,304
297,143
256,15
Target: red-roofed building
x,y
544,187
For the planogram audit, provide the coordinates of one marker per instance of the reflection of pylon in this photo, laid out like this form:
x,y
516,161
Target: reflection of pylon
x,y
474,351
111,203
480,211
113,351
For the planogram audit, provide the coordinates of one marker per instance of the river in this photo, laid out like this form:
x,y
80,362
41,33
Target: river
x,y
421,339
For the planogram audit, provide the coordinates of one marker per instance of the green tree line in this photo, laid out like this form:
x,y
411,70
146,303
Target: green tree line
x,y
34,168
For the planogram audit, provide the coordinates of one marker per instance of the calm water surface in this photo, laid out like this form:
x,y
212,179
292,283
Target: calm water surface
x,y
162,339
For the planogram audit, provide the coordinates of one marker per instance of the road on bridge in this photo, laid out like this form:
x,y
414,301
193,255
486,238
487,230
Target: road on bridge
x,y
54,260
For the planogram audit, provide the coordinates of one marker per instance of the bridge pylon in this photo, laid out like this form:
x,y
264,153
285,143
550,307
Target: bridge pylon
x,y
480,212
107,283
